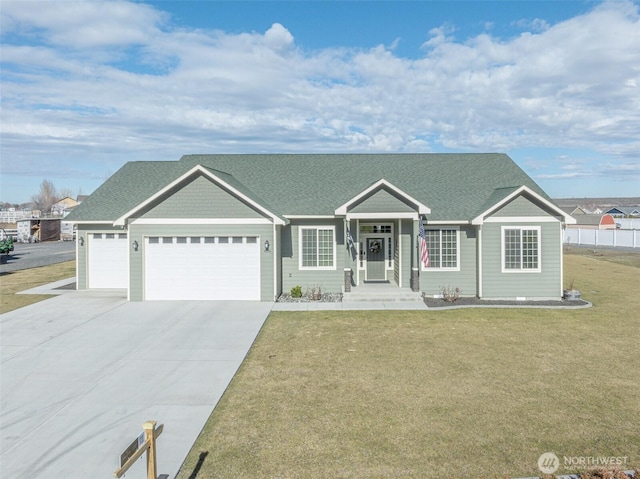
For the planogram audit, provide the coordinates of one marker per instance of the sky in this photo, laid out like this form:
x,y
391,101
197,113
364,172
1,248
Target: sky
x,y
86,86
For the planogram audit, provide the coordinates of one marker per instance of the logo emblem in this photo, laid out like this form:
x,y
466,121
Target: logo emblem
x,y
548,463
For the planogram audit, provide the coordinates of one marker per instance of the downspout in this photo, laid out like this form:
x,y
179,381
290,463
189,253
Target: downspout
x,y
562,228
359,253
275,261
479,261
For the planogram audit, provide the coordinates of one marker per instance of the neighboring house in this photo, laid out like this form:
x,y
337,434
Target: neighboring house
x,y
254,226
61,207
624,211
598,222
574,210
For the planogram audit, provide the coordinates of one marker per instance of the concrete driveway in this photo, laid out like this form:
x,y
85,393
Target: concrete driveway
x,y
83,371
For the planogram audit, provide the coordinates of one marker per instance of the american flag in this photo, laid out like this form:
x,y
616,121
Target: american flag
x,y
424,252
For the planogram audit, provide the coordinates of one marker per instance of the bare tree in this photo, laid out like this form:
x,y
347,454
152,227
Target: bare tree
x,y
46,197
65,193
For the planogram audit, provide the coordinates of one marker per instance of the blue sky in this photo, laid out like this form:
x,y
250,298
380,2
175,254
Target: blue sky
x,y
88,86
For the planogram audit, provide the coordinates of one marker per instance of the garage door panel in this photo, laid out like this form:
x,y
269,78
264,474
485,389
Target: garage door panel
x,y
108,261
202,269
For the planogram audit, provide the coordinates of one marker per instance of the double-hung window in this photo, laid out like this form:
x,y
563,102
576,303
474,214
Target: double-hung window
x,y
521,249
443,247
317,247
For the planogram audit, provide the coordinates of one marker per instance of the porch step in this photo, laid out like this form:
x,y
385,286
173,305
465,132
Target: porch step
x,y
382,296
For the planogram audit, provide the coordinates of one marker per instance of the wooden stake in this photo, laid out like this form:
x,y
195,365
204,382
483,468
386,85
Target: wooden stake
x,y
150,436
149,445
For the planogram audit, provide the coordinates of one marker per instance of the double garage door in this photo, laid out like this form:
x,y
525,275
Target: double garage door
x,y
202,268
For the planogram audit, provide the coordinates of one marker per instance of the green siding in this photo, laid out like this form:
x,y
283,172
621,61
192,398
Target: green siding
x,y
382,201
200,198
520,206
139,232
292,275
432,281
531,285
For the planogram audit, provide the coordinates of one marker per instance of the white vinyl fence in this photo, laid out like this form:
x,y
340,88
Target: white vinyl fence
x,y
592,237
628,223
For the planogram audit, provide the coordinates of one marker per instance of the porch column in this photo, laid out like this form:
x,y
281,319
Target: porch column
x,y
415,257
347,257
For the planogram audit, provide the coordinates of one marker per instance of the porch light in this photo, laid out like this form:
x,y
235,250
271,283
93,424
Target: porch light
x,y
266,245
81,241
134,245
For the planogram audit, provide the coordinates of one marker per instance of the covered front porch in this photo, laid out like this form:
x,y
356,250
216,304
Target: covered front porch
x,y
381,252
381,226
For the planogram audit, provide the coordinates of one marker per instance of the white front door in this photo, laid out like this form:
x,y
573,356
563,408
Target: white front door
x,y
108,262
202,268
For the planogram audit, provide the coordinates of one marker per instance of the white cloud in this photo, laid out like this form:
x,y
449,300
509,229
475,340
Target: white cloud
x,y
278,37
116,77
83,24
535,25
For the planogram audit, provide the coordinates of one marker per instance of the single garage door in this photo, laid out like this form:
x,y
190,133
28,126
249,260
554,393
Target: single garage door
x,y
108,261
202,268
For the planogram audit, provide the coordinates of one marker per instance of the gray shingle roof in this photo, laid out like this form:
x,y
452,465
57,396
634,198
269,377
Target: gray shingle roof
x,y
454,186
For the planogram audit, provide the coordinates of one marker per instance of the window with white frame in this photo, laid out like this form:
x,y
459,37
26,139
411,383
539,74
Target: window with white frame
x,y
317,247
443,246
521,248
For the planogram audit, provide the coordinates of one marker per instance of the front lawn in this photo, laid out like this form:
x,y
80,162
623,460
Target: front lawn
x,y
16,281
442,394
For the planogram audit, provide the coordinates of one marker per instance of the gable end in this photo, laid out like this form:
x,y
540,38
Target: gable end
x,y
382,201
199,198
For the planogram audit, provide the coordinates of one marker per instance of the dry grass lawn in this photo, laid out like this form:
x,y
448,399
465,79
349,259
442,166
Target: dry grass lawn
x,y
438,394
14,282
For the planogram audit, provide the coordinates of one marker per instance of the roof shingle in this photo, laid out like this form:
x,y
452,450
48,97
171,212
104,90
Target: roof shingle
x,y
454,186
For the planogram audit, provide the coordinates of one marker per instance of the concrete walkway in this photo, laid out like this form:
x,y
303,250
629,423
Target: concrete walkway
x,y
83,371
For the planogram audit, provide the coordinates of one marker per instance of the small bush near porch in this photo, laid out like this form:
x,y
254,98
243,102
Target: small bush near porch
x,y
455,394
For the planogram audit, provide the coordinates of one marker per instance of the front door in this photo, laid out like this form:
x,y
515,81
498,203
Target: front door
x,y
375,259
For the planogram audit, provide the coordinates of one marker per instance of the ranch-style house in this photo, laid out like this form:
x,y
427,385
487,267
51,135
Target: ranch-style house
x,y
251,226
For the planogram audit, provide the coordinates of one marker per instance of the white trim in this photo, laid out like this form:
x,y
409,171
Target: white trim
x,y
201,221
561,261
197,169
274,252
316,268
78,260
440,269
447,222
400,254
309,217
358,250
522,219
422,208
480,272
382,216
101,222
502,249
568,219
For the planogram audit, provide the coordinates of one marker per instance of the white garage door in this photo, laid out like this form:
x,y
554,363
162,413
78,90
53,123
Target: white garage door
x,y
202,268
108,260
